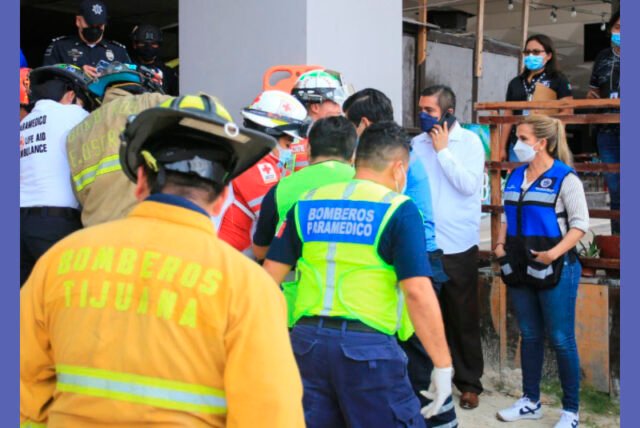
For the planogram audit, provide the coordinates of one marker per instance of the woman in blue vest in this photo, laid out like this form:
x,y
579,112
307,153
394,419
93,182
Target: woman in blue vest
x,y
546,215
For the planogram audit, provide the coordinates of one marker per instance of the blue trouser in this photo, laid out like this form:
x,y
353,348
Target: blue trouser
x,y
553,311
354,379
609,149
419,369
438,276
420,365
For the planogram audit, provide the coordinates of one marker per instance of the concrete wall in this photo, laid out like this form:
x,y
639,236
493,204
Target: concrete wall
x,y
225,47
360,38
498,72
452,66
408,81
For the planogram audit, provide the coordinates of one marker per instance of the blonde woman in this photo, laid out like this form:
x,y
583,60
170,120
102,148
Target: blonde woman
x,y
546,215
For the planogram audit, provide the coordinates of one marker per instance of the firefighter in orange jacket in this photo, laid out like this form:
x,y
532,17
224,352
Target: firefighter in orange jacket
x,y
152,320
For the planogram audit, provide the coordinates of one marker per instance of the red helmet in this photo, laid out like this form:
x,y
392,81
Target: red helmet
x,y
24,86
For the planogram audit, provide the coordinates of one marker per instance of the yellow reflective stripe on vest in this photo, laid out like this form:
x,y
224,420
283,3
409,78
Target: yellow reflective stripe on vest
x,y
88,175
330,290
141,389
32,425
331,278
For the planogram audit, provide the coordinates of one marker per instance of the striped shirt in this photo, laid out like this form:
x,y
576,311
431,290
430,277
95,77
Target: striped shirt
x,y
572,200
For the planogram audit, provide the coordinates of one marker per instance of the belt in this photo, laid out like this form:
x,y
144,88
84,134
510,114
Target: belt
x,y
50,211
337,324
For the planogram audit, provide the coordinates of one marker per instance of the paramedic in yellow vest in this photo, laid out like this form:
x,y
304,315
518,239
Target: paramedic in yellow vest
x,y
359,249
151,320
92,146
332,141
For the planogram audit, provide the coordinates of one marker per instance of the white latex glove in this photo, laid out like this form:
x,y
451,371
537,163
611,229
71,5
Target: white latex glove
x,y
439,390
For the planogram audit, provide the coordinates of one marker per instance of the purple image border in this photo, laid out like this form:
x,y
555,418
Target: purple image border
x,y
630,211
10,215
9,219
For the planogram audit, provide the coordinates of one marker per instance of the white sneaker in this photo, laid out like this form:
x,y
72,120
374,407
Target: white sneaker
x,y
568,420
522,409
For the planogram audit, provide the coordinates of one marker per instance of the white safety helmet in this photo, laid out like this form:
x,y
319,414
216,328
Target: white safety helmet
x,y
317,86
276,112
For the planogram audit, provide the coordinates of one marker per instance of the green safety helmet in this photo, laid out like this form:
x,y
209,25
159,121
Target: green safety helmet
x,y
317,86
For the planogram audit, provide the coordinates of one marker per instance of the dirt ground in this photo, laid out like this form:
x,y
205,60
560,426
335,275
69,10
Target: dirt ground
x,y
501,392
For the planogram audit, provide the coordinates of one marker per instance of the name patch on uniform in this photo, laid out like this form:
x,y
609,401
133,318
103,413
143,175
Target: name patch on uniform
x,y
354,222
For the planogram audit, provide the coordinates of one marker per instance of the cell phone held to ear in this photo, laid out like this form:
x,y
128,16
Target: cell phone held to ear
x,y
448,118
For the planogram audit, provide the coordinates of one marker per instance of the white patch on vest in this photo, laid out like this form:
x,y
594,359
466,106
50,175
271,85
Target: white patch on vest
x,y
268,173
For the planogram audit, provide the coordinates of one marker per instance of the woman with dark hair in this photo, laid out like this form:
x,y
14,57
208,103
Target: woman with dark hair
x,y
605,83
540,80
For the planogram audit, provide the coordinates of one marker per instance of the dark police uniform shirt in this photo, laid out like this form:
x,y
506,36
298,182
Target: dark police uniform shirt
x,y
519,90
402,243
606,77
606,74
72,50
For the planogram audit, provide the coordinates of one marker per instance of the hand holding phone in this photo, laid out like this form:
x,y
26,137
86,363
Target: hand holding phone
x,y
447,118
440,132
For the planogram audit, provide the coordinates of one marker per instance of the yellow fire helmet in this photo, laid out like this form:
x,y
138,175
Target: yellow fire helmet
x,y
191,134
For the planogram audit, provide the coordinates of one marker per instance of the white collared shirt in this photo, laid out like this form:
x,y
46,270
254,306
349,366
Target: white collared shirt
x,y
455,176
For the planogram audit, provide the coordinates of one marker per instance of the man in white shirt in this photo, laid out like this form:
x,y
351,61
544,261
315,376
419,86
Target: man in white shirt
x,y
48,208
454,159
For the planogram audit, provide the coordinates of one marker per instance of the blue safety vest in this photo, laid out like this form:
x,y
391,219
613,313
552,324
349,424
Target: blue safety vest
x,y
532,224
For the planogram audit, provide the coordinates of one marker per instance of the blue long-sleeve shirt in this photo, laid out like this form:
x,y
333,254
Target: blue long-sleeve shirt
x,y
23,60
419,190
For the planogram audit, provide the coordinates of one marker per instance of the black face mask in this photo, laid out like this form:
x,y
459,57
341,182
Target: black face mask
x,y
92,34
148,53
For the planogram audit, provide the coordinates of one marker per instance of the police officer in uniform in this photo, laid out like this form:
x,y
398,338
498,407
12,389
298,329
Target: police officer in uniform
x,y
89,46
146,42
359,250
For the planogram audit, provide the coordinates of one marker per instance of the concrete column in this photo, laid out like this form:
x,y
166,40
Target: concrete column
x,y
225,47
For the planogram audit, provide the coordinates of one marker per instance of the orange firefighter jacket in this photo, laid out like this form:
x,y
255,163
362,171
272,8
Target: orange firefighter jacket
x,y
152,320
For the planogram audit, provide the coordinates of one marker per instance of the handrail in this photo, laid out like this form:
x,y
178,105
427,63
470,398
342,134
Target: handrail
x,y
567,119
579,167
497,117
556,104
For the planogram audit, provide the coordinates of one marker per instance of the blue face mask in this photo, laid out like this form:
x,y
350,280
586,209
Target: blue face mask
x,y
615,39
533,62
285,158
427,121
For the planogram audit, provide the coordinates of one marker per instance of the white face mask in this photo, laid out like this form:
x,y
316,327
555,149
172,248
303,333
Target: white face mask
x,y
404,188
524,152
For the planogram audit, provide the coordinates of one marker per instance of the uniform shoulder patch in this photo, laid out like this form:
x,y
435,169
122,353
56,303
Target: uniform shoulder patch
x,y
268,172
118,44
59,38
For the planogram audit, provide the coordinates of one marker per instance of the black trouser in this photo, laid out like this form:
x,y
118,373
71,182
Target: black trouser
x,y
459,303
40,228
